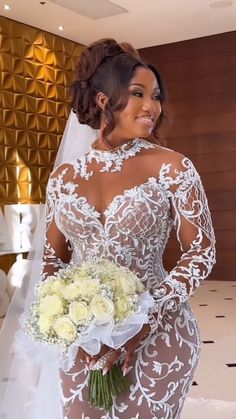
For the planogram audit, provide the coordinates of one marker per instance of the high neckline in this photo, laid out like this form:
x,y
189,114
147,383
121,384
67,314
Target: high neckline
x,y
116,150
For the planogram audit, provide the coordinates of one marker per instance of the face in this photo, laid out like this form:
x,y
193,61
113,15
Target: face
x,y
143,108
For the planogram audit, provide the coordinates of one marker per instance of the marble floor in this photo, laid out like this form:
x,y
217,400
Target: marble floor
x,y
213,393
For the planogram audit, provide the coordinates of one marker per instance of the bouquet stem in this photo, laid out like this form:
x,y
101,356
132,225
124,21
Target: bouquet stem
x,y
103,388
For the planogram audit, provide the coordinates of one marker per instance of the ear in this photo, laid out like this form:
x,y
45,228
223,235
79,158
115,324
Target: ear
x,y
101,100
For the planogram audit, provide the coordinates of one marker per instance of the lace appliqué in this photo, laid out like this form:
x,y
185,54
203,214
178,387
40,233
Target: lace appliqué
x,y
113,160
134,234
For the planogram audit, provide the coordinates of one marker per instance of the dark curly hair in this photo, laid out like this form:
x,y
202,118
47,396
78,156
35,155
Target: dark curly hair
x,y
106,66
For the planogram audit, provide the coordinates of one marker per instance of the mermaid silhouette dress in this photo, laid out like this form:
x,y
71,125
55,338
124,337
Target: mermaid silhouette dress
x,y
121,205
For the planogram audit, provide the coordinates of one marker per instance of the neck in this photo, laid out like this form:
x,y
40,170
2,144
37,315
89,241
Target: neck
x,y
104,146
111,142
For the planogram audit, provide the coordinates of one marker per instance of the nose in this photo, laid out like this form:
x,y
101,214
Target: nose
x,y
149,105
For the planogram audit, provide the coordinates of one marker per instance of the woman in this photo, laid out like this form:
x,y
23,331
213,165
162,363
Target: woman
x,y
120,200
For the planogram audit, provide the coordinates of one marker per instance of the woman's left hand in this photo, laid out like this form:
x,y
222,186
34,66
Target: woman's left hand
x,y
130,346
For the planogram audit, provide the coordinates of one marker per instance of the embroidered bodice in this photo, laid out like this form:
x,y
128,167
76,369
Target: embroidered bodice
x,y
122,205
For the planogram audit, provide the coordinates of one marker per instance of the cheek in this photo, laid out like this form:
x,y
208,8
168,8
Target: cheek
x,y
158,109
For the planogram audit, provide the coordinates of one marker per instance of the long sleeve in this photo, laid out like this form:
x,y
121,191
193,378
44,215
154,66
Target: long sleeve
x,y
192,222
57,249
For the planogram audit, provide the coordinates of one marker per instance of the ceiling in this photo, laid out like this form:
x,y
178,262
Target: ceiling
x,y
144,23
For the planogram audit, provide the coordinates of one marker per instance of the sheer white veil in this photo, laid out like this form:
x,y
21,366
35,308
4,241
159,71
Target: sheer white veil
x,y
29,382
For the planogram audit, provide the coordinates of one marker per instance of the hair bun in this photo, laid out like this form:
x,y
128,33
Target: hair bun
x,y
129,49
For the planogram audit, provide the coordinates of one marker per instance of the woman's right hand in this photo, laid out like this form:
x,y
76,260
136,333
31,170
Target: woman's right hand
x,y
91,360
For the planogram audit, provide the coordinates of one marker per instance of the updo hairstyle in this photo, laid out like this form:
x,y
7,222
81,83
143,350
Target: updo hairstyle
x,y
106,66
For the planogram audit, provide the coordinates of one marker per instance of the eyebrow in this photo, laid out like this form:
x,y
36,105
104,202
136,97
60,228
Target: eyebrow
x,y
144,87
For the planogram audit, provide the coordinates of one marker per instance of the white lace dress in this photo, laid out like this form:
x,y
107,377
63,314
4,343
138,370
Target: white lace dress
x,y
122,205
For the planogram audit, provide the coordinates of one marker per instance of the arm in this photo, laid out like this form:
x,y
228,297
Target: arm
x,y
57,249
192,222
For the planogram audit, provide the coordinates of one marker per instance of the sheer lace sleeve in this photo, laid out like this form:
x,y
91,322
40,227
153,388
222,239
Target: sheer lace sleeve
x,y
57,249
192,222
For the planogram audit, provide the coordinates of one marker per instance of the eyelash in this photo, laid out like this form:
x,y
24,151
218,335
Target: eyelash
x,y
140,94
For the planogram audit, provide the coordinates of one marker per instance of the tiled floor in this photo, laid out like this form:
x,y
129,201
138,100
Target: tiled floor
x,y
213,395
214,304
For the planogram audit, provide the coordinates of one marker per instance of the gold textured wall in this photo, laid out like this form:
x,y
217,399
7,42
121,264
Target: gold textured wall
x,y
36,70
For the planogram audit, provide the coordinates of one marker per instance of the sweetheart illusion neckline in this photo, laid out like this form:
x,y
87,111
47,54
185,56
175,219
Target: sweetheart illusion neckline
x,y
117,199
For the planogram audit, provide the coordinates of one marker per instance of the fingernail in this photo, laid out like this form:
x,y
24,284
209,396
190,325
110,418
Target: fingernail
x,y
87,359
125,371
105,371
92,363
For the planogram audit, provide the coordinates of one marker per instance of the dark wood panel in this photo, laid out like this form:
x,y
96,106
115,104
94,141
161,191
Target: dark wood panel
x,y
194,48
223,181
200,80
226,240
203,86
183,127
224,220
226,258
204,105
222,201
201,144
223,274
194,67
218,162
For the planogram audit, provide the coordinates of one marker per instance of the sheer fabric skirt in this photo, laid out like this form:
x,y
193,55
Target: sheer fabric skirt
x,y
161,375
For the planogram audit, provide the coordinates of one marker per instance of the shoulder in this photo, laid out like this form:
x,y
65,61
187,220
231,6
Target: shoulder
x,y
61,177
175,168
166,157
62,170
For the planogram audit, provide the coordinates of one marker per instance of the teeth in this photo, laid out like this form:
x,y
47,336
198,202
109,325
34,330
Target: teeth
x,y
146,119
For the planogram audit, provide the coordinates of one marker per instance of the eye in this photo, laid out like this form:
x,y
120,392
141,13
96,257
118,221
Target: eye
x,y
157,96
137,94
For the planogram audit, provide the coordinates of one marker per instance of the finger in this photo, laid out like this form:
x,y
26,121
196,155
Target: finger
x,y
111,360
95,358
84,356
128,361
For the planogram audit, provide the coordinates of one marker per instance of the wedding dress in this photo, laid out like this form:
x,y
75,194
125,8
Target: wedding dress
x,y
121,205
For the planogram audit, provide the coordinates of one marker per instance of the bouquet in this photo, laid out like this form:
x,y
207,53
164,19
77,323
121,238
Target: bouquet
x,y
87,306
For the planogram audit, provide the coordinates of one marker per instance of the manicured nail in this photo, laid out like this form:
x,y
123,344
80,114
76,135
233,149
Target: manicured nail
x,y
87,359
92,363
125,371
105,371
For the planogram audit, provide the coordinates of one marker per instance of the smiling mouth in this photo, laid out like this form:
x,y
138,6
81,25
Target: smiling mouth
x,y
146,120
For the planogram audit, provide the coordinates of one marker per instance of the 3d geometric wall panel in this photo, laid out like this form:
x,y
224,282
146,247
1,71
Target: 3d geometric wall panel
x,y
36,70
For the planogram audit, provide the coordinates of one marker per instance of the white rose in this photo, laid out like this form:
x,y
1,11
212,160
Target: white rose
x,y
51,304
78,312
45,322
102,308
88,287
45,286
57,287
71,292
65,329
127,283
123,308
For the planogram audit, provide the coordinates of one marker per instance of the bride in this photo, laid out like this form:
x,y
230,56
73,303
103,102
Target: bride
x,y
119,198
